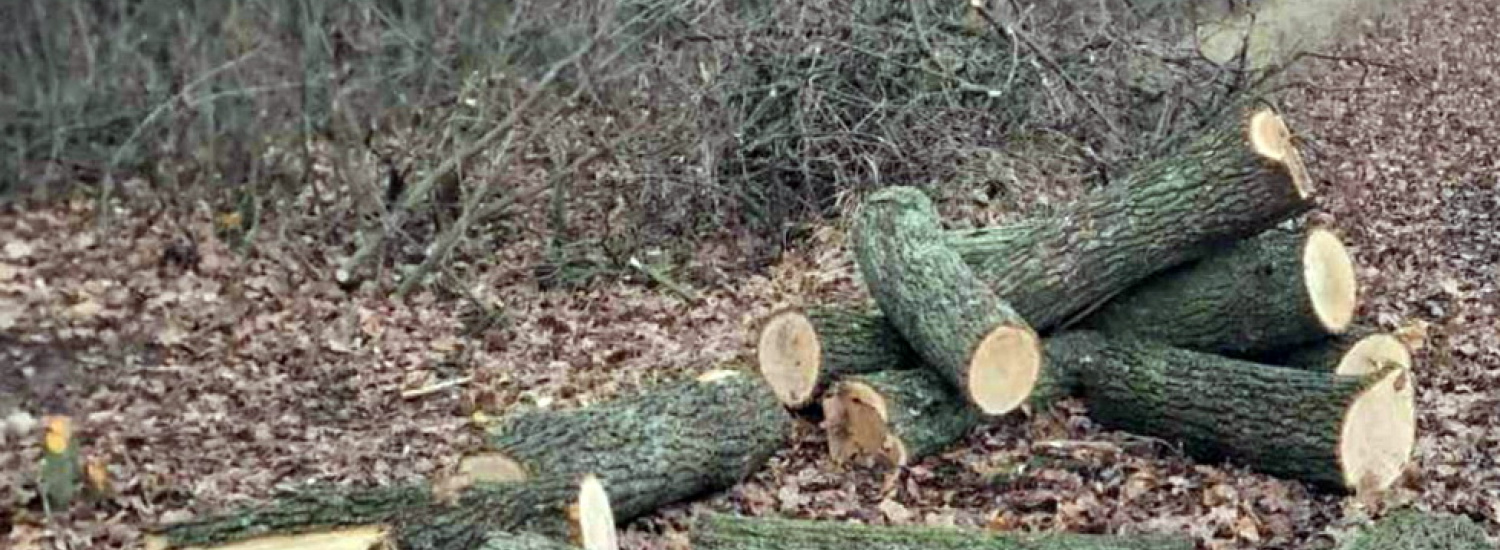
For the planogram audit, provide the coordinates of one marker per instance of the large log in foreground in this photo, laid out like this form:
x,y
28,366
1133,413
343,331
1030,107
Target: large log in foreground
x,y
1237,179
725,532
955,323
801,351
414,517
662,446
1279,289
1349,432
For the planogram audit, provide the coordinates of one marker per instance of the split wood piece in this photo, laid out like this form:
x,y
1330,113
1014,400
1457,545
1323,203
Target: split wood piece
x,y
450,514
1279,289
1413,530
666,445
902,416
956,324
1345,432
726,532
801,351
1234,181
1363,350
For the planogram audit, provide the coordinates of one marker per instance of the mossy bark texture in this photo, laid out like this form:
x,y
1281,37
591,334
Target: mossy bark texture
x,y
1284,422
1413,530
725,532
417,520
1248,300
924,288
662,446
857,341
1214,190
523,541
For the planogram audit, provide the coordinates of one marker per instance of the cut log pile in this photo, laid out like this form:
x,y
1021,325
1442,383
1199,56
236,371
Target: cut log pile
x,y
1187,302
1170,303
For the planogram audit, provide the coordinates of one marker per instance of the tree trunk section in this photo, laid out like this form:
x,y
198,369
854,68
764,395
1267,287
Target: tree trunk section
x,y
414,517
801,352
523,541
1413,530
725,532
1337,431
900,416
1236,180
663,446
955,323
1362,350
1277,290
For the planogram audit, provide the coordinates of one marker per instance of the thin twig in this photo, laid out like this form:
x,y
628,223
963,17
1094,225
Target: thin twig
x,y
1052,65
434,388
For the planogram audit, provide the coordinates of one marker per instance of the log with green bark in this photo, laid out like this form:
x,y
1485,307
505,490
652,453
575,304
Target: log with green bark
x,y
453,514
662,446
1361,350
801,351
1237,179
1414,530
956,324
726,532
1350,432
1279,289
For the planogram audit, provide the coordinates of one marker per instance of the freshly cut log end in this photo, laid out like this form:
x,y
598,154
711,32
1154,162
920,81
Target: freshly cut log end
x,y
1004,369
1379,432
363,537
790,357
593,517
1329,275
897,416
492,467
1270,137
1373,353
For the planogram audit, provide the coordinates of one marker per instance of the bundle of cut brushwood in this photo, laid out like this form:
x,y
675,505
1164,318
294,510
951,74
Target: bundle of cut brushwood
x,y
1186,302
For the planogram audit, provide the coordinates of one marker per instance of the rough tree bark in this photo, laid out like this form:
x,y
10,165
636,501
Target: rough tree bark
x,y
724,532
1279,289
1413,530
1237,179
955,323
1338,431
656,448
444,516
801,351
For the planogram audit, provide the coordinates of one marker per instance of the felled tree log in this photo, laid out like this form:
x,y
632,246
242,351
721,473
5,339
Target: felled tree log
x,y
801,351
1337,431
1362,350
445,515
901,416
1279,289
1234,181
652,449
955,323
725,532
1413,530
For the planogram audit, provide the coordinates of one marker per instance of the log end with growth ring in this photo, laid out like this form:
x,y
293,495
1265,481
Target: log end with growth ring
x,y
1329,275
790,357
1004,368
1378,433
592,518
1373,353
862,422
1272,140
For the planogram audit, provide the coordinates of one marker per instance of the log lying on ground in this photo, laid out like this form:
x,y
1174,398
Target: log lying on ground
x,y
662,446
447,516
957,326
1362,350
725,532
1279,289
1413,530
901,416
1339,431
1234,181
801,351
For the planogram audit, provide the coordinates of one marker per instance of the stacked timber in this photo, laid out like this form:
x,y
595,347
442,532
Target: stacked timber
x,y
1185,303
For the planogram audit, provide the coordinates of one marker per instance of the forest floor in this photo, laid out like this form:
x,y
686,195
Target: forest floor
x,y
252,374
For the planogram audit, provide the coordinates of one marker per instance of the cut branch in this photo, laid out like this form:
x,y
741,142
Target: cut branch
x,y
802,351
